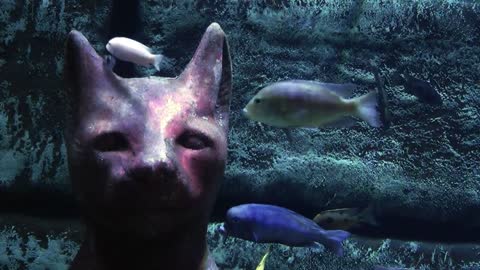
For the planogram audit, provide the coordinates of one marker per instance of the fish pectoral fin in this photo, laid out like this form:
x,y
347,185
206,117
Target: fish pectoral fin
x,y
255,237
299,115
288,134
344,122
316,246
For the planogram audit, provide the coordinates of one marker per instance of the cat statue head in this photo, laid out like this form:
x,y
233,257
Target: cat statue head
x,y
147,155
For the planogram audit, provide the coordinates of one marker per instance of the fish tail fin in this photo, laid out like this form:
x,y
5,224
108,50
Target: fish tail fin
x,y
367,109
368,216
161,61
333,240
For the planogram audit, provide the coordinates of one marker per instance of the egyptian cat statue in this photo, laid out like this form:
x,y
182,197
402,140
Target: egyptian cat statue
x,y
146,157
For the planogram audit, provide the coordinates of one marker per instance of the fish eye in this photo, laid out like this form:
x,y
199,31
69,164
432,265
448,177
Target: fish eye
x,y
235,220
257,100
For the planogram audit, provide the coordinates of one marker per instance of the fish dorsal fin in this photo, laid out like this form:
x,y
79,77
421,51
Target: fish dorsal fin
x,y
315,246
344,90
146,47
139,44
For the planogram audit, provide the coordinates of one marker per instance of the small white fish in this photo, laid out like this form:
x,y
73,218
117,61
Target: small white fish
x,y
301,103
133,51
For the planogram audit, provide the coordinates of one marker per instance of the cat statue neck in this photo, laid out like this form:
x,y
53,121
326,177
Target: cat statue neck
x,y
146,156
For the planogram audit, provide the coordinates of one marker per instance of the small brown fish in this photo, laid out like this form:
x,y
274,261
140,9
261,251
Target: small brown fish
x,y
301,103
345,218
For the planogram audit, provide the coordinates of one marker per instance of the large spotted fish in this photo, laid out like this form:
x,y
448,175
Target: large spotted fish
x,y
301,103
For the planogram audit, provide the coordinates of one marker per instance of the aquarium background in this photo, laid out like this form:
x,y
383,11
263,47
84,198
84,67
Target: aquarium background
x,y
421,171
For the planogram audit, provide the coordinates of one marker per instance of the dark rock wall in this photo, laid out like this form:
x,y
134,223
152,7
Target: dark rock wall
x,y
422,172
32,100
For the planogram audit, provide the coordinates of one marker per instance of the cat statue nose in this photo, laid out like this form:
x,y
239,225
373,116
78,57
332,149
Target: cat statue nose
x,y
153,171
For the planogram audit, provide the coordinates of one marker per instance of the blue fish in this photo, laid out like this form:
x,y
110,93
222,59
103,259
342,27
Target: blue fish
x,y
263,223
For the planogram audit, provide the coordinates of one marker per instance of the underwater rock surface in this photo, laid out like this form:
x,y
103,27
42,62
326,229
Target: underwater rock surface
x,y
32,243
422,171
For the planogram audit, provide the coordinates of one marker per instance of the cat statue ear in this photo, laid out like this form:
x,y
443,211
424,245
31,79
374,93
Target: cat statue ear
x,y
88,77
209,75
82,63
84,70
